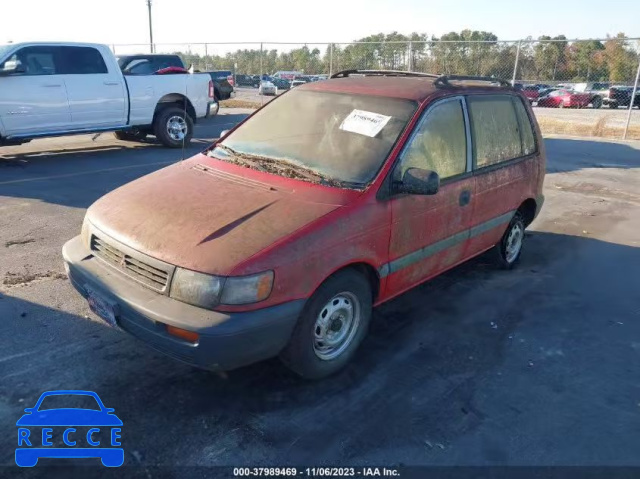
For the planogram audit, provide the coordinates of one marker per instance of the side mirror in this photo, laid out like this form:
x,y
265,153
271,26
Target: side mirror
x,y
417,181
224,133
15,70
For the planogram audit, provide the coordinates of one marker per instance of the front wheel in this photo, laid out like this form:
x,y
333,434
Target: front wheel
x,y
596,102
507,251
173,127
613,105
332,325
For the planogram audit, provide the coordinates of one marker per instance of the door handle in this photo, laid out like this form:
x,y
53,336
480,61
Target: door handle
x,y
52,85
465,197
112,83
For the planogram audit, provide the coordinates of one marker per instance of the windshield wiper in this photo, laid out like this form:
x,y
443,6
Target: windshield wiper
x,y
285,168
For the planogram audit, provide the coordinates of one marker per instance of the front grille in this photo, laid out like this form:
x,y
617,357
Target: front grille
x,y
154,278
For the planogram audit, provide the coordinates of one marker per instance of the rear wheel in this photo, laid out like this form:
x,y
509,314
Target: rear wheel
x,y
332,325
507,251
173,127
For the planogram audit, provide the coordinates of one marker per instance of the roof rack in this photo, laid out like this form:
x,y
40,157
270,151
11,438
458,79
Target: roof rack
x,y
394,73
445,80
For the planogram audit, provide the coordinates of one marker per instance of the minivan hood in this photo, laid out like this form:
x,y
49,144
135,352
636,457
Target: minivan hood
x,y
208,216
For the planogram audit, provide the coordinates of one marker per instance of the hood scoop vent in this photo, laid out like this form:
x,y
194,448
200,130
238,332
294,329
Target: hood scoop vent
x,y
232,178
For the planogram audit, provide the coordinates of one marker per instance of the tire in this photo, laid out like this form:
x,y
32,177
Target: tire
x,y
307,354
131,135
505,257
613,105
596,102
163,131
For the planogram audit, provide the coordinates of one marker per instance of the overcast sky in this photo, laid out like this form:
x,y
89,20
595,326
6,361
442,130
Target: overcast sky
x,y
186,21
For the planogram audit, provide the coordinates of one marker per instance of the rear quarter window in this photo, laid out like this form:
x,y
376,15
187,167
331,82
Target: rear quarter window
x,y
526,129
495,130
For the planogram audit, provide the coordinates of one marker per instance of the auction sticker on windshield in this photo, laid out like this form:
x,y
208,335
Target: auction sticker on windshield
x,y
364,122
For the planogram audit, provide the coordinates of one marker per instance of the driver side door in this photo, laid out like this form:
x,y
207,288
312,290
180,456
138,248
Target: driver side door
x,y
430,233
34,101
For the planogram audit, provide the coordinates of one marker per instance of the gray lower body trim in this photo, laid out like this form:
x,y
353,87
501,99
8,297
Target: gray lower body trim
x,y
439,246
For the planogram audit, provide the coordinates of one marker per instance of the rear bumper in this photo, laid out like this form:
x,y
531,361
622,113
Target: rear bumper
x,y
226,340
212,108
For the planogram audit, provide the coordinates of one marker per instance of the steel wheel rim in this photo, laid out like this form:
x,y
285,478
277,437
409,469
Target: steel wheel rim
x,y
514,242
177,128
336,326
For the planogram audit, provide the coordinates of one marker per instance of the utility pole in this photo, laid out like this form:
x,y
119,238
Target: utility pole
x,y
150,27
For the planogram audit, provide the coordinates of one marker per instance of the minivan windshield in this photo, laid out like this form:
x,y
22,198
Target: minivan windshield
x,y
332,136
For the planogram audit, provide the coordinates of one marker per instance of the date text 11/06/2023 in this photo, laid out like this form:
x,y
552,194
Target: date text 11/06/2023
x,y
316,472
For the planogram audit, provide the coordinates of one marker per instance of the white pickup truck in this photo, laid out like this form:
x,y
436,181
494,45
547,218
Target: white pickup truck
x,y
56,89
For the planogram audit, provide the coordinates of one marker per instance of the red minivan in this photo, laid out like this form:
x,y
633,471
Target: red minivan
x,y
332,199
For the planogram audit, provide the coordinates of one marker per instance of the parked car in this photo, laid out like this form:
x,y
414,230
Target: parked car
x,y
281,83
620,95
267,88
598,91
565,98
223,75
288,246
286,75
531,92
248,80
55,89
223,89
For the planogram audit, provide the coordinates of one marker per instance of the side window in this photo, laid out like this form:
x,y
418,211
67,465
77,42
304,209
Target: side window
x,y
528,140
439,142
35,61
82,61
494,125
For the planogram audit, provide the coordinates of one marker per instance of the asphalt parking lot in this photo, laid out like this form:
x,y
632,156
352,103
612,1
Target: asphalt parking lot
x,y
536,366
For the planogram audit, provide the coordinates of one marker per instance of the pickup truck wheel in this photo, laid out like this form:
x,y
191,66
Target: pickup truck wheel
x,y
130,135
332,325
596,102
507,251
172,127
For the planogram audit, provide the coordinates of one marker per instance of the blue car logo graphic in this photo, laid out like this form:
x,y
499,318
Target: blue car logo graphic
x,y
102,437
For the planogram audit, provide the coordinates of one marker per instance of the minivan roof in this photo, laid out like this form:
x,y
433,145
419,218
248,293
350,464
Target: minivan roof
x,y
405,87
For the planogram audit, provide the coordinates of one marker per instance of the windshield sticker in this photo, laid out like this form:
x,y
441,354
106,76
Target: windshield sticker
x,y
364,122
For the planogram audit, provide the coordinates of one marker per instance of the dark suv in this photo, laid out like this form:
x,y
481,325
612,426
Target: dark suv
x,y
248,80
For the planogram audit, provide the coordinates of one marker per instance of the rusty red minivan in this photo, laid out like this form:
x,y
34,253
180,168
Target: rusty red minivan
x,y
280,238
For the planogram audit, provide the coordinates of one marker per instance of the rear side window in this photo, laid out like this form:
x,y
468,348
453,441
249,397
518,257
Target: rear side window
x,y
439,142
82,61
495,129
526,130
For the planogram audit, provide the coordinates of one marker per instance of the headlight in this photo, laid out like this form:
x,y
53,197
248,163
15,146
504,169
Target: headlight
x,y
247,289
196,288
207,291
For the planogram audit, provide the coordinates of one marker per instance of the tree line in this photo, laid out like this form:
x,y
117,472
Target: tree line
x,y
465,53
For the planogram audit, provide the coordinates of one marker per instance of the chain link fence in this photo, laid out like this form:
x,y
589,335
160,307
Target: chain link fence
x,y
597,76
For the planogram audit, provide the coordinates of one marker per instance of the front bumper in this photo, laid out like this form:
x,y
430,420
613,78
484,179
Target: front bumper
x,y
226,340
